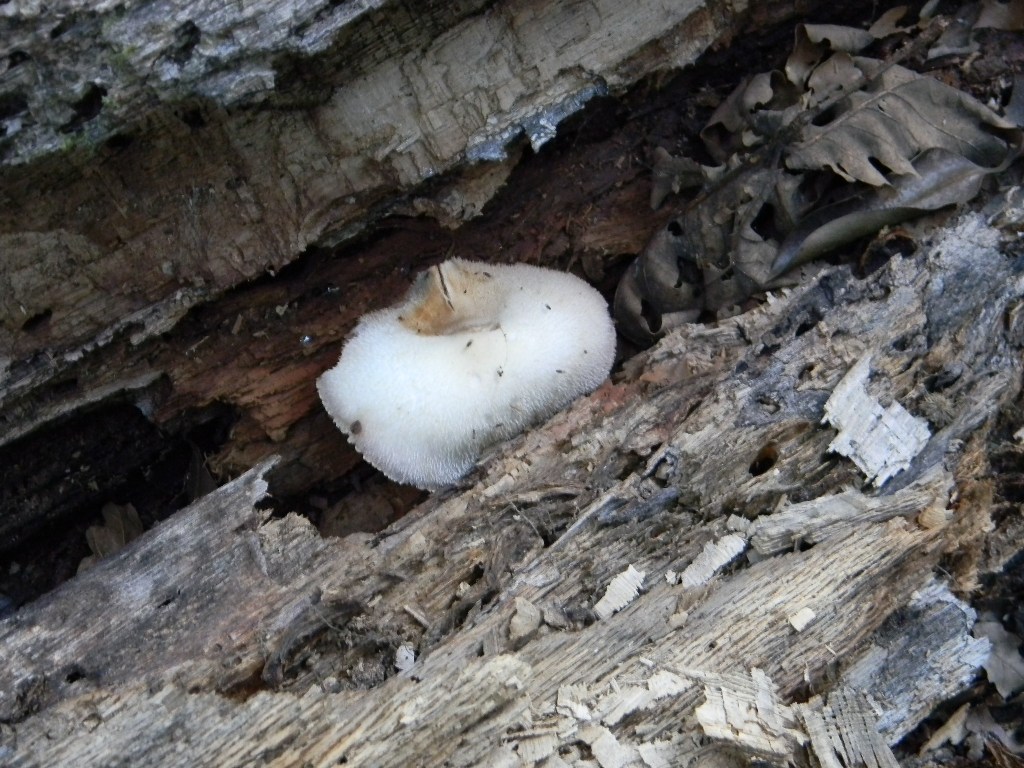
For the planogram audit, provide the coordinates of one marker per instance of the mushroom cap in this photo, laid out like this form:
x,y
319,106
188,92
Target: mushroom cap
x,y
474,354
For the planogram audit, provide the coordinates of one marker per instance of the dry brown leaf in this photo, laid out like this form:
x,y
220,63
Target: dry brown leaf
x,y
1006,16
815,42
941,178
959,38
1005,665
845,145
761,107
671,174
660,290
121,524
896,116
887,24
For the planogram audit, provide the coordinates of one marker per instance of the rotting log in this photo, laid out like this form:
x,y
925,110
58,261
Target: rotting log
x,y
175,209
225,638
220,144
482,628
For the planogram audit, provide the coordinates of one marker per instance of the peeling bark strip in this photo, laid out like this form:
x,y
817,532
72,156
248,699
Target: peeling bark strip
x,y
715,556
510,665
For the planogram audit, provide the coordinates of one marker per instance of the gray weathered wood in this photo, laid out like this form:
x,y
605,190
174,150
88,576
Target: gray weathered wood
x,y
644,473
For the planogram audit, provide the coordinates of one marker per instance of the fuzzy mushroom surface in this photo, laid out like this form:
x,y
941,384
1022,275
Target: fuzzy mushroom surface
x,y
474,354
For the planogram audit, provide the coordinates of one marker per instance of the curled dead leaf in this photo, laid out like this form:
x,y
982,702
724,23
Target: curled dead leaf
x,y
121,524
940,178
830,150
896,116
661,289
671,174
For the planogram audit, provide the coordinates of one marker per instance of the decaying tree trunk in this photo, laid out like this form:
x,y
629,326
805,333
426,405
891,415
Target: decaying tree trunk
x,y
757,540
703,473
110,241
139,253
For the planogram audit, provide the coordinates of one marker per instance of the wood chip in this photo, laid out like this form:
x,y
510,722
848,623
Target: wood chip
x,y
533,749
525,622
953,731
828,517
658,754
715,556
664,683
746,710
621,592
801,619
623,702
417,614
405,657
631,698
610,753
844,731
841,730
880,441
570,702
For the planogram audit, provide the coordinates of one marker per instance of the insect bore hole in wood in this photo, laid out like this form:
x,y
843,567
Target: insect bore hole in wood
x,y
37,322
765,459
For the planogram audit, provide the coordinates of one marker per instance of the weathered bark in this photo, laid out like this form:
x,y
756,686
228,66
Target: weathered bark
x,y
222,638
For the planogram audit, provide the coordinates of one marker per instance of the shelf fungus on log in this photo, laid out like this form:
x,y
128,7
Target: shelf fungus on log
x,y
474,354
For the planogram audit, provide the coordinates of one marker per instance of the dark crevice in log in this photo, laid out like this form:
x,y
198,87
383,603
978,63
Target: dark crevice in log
x,y
56,480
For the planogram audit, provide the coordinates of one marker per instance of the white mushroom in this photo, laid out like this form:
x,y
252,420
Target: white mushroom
x,y
473,355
